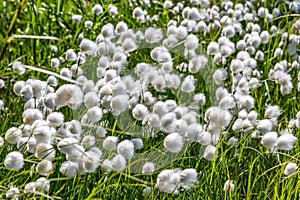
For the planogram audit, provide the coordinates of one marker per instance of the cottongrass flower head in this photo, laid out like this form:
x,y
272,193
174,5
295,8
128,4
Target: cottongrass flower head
x,y
120,103
197,63
188,177
69,169
269,140
191,42
44,167
228,186
220,75
14,160
91,99
71,55
139,112
290,168
129,45
88,141
91,160
118,163
69,146
209,152
18,67
174,142
13,135
55,119
42,185
168,181
110,143
55,63
87,46
88,24
94,114
69,95
153,35
126,149
45,151
200,99
264,125
97,9
272,112
148,168
121,27
286,142
77,18
12,193
188,84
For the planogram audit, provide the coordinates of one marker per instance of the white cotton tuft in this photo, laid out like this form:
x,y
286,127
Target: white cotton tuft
x,y
205,138
269,140
148,168
138,143
13,135
88,141
188,84
188,177
44,167
209,152
153,35
167,122
91,160
220,75
110,143
129,45
70,95
55,119
126,149
71,55
290,168
264,125
191,42
87,46
118,163
173,142
97,9
139,112
69,169
69,146
120,103
94,114
159,108
45,151
18,67
181,32
213,48
197,63
286,142
228,186
91,99
272,112
200,99
12,193
14,160
55,63
264,37
42,185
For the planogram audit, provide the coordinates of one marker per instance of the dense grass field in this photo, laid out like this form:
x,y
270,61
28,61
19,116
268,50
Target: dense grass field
x,y
236,65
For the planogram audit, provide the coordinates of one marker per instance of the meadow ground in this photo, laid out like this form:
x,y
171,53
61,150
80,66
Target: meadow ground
x,y
243,149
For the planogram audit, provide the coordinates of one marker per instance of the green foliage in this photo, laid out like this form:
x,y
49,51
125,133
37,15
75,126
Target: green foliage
x,y
256,173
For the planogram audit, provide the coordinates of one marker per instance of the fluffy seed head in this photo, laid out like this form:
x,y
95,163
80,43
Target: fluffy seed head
x,y
14,160
126,149
173,142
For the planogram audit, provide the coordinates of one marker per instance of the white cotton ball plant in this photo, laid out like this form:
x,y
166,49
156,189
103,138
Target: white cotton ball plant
x,y
155,97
